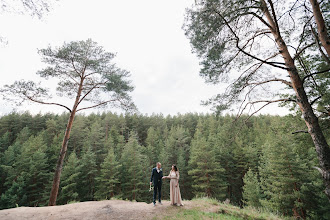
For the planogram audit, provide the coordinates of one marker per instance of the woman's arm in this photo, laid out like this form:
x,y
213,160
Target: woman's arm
x,y
166,177
177,177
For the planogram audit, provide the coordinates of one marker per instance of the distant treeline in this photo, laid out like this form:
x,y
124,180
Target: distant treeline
x,y
258,163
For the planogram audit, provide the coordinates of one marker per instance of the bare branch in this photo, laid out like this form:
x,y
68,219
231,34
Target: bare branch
x,y
272,80
300,131
46,103
267,103
302,50
89,91
97,105
312,102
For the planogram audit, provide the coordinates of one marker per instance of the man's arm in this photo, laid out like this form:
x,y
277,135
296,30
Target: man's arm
x,y
152,175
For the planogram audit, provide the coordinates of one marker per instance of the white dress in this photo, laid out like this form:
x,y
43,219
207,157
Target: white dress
x,y
175,194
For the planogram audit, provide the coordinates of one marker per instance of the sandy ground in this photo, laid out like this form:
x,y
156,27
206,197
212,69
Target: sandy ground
x,y
107,209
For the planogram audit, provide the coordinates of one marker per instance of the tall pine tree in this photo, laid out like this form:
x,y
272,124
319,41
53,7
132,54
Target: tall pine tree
x,y
88,172
108,180
134,181
251,189
206,172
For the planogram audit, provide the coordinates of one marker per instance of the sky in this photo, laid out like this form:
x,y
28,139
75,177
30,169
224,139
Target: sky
x,y
146,35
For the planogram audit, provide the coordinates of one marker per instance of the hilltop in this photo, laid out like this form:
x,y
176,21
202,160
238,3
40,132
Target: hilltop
x,y
120,209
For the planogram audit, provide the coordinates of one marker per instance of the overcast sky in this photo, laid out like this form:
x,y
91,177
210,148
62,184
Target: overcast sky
x,y
147,36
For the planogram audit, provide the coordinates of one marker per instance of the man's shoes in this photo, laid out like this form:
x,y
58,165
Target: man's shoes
x,y
160,203
154,204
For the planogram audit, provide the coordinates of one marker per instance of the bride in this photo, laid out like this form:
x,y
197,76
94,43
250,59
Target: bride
x,y
174,186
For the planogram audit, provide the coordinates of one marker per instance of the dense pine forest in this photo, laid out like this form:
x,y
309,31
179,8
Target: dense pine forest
x,y
258,163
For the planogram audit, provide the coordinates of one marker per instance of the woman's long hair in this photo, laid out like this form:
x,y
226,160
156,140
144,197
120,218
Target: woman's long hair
x,y
175,168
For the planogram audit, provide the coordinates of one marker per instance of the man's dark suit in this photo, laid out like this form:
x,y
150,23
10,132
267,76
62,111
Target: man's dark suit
x,y
156,179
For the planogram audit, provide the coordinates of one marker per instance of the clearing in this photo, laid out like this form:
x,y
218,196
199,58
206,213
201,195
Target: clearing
x,y
119,209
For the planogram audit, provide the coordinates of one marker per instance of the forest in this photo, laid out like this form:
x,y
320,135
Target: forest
x,y
258,163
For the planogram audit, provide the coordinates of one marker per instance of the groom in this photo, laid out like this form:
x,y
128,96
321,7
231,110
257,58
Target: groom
x,y
156,179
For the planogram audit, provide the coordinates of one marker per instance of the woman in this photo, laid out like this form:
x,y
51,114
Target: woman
x,y
174,186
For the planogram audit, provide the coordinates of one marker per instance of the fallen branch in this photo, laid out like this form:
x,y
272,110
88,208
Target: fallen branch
x,y
300,131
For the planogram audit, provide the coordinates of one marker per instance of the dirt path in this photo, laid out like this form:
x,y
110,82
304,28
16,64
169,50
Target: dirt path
x,y
98,210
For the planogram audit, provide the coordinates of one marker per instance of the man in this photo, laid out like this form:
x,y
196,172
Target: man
x,y
156,179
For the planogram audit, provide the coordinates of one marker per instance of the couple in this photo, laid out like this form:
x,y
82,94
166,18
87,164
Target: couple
x,y
156,179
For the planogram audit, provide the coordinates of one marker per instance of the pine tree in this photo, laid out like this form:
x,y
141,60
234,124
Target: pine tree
x,y
51,131
151,150
70,178
38,178
227,153
279,178
52,152
185,179
96,141
31,165
206,172
115,141
4,142
251,189
108,180
177,138
134,180
15,195
153,146
88,172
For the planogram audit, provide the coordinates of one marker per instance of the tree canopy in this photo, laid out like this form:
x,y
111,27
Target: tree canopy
x,y
261,47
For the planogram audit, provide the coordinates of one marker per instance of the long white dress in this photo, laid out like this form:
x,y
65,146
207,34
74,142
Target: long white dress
x,y
175,194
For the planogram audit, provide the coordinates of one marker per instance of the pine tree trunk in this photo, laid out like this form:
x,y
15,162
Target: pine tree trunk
x,y
321,28
314,129
58,170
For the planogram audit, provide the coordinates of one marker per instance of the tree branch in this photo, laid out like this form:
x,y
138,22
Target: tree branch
x,y
87,75
274,16
46,103
325,174
241,110
74,67
99,104
302,50
312,102
94,87
325,57
259,17
267,103
299,131
272,80
240,49
303,33
312,74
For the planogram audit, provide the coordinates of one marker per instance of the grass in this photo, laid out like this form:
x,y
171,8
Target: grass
x,y
197,214
206,208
